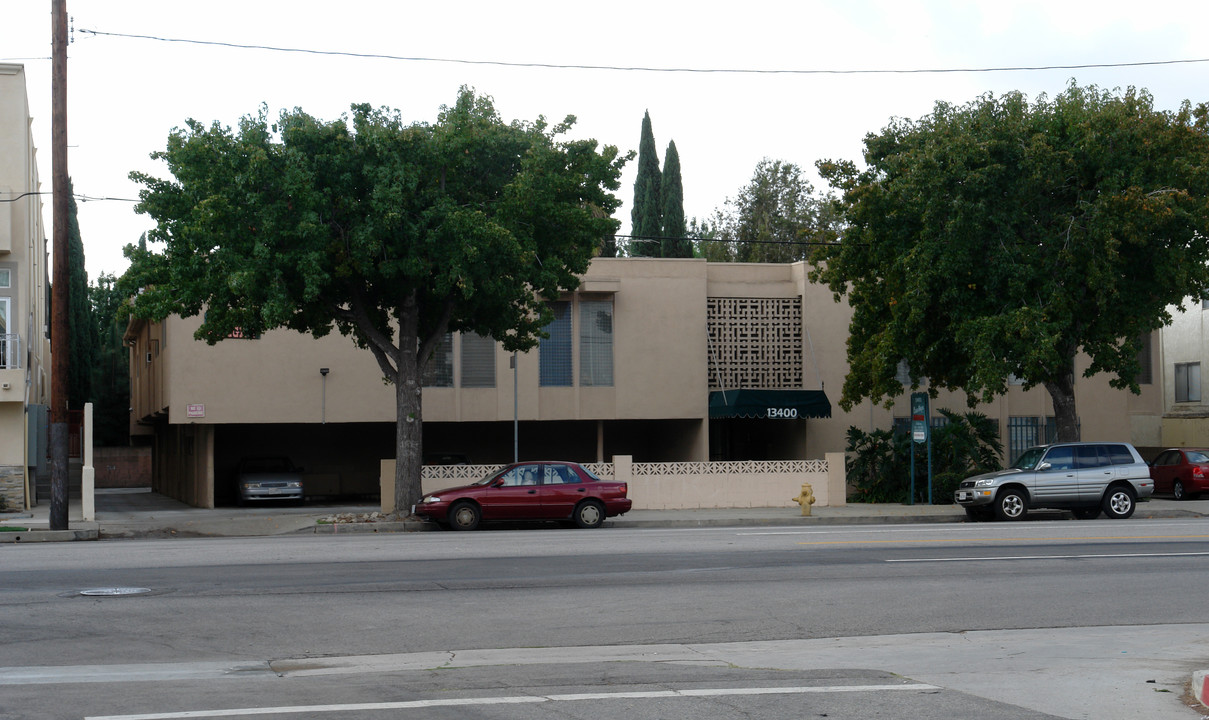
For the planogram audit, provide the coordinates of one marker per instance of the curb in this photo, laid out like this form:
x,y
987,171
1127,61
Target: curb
x,y
370,527
35,535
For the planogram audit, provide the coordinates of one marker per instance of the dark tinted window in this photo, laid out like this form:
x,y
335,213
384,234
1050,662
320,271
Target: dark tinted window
x,y
1119,455
1171,457
1061,458
1090,456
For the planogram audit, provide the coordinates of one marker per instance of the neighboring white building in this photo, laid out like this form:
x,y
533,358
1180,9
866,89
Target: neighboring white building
x,y
24,347
1185,348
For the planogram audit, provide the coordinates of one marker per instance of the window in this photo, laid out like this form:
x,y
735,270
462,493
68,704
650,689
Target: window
x,y
1091,456
478,361
10,355
522,475
6,278
903,373
554,352
1188,382
1061,458
439,370
1025,432
596,343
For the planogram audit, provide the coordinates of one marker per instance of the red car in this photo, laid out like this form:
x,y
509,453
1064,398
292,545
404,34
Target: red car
x,y
536,490
1183,472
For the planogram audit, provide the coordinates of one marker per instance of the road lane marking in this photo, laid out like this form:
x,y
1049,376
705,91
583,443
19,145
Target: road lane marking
x,y
1047,557
1016,539
517,700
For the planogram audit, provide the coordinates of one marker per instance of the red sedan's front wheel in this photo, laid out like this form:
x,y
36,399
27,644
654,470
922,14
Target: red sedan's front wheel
x,y
464,516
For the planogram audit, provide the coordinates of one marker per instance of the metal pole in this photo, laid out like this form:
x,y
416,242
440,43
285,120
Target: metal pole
x,y
60,342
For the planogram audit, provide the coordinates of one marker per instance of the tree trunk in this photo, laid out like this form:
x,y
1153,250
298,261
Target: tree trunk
x,y
1062,392
409,434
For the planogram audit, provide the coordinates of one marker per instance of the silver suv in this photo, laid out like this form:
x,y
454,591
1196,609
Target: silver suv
x,y
1085,478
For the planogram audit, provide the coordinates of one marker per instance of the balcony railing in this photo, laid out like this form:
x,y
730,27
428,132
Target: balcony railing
x,y
10,351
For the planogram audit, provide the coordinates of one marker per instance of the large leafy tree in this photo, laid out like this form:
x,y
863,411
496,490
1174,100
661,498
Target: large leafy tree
x,y
646,217
775,217
674,243
1001,238
392,234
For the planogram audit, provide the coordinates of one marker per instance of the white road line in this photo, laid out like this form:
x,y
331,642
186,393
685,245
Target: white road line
x,y
973,528
1045,557
517,700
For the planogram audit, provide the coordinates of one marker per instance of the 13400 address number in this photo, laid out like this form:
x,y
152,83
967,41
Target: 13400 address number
x,y
787,413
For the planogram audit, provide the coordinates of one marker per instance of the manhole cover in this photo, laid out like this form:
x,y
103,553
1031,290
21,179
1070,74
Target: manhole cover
x,y
110,591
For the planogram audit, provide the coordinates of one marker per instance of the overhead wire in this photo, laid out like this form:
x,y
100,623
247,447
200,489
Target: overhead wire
x,y
644,68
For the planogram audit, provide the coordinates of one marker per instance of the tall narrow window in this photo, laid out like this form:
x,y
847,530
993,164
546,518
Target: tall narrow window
x,y
596,343
439,370
1188,382
478,361
554,352
9,344
6,278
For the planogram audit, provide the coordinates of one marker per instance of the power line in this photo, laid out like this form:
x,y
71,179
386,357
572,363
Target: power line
x,y
642,68
77,196
645,238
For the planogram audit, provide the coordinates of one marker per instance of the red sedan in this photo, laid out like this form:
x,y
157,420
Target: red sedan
x,y
540,490
1183,472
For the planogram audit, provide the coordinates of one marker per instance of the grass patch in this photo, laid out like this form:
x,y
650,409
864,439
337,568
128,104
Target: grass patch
x,y
5,528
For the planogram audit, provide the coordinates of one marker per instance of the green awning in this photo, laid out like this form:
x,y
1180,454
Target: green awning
x,y
774,404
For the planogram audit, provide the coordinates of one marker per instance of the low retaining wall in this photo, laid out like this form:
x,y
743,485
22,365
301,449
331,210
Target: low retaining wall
x,y
680,485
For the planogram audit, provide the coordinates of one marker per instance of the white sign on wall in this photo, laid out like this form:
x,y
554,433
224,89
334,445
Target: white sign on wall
x,y
195,411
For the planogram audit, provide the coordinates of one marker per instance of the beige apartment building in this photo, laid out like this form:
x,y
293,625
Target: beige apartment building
x,y
1185,348
24,347
663,360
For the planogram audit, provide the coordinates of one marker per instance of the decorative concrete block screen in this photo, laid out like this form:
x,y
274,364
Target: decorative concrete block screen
x,y
754,342
682,485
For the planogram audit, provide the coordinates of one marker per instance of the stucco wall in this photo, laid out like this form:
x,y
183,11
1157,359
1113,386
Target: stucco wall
x,y
680,485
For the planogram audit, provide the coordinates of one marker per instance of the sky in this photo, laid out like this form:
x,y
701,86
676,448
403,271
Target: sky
x,y
126,94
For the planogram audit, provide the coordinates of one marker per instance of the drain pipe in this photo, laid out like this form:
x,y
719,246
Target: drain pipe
x,y
323,402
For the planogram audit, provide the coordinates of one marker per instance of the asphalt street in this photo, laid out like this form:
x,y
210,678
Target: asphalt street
x,y
1064,619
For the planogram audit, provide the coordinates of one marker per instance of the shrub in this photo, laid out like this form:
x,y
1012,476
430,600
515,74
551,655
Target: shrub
x,y
879,462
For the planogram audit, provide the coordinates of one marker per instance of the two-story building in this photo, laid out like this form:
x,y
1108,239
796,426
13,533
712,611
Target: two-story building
x,y
24,347
1185,348
664,360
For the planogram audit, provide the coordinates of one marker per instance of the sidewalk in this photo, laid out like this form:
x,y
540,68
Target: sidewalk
x,y
140,513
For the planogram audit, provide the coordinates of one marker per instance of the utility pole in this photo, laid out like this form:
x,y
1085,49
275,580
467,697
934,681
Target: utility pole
x,y
59,338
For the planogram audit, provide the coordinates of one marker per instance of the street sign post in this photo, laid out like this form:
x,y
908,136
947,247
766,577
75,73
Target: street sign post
x,y
921,432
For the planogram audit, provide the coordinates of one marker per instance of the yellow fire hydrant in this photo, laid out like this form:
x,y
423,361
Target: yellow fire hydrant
x,y
805,499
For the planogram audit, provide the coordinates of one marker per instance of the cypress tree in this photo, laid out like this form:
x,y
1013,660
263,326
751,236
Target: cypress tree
x,y
674,243
645,217
82,338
